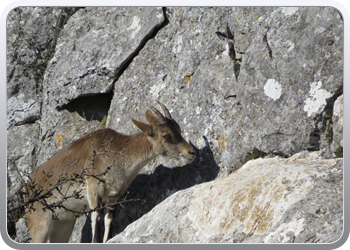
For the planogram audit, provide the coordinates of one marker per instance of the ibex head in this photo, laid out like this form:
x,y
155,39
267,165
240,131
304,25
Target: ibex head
x,y
164,133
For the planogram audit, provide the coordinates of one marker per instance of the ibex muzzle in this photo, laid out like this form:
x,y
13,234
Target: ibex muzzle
x,y
99,167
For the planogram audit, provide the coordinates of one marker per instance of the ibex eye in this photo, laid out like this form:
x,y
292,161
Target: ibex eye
x,y
166,136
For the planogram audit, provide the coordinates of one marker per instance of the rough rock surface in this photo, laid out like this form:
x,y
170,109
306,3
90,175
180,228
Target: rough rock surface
x,y
244,77
247,79
298,199
94,46
31,36
337,119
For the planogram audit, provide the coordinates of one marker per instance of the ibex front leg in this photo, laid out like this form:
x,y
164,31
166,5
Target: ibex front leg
x,y
93,186
95,226
108,221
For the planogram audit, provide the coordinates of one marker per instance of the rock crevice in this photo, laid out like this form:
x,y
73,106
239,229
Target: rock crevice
x,y
267,80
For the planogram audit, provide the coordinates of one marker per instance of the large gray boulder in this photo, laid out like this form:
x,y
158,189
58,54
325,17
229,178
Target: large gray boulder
x,y
272,200
244,77
248,79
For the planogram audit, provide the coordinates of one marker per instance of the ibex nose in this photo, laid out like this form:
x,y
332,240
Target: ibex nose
x,y
192,152
189,155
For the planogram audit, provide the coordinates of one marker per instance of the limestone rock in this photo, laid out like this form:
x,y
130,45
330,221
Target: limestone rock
x,y
30,34
337,119
248,79
21,144
20,111
272,200
92,49
243,77
22,231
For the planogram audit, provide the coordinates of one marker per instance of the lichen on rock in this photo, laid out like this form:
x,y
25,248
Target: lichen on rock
x,y
250,81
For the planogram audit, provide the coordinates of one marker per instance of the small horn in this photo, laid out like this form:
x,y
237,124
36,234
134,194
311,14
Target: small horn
x,y
165,110
157,113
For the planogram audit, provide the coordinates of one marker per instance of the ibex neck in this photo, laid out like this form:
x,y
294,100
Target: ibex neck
x,y
141,152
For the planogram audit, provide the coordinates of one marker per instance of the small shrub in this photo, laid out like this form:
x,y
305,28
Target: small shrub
x,y
256,153
339,152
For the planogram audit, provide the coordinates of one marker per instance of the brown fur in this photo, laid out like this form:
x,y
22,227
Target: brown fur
x,y
108,162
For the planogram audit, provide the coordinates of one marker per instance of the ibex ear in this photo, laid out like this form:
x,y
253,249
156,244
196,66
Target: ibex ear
x,y
145,128
150,117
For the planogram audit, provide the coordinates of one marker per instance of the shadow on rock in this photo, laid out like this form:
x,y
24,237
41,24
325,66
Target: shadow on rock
x,y
146,191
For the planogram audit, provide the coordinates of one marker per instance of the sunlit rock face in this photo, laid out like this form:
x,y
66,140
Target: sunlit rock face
x,y
246,79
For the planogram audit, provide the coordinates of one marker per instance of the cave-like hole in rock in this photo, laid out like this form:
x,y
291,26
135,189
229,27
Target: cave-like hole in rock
x,y
90,107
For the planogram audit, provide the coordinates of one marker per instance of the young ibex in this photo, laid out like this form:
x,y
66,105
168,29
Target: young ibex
x,y
109,161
